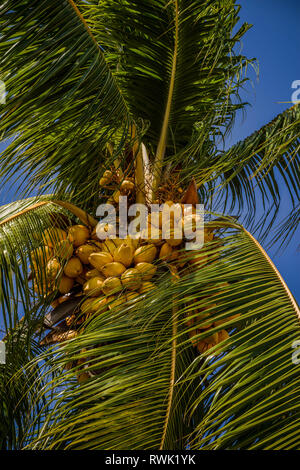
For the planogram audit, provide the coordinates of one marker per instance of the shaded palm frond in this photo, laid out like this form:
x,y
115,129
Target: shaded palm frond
x,y
63,103
175,62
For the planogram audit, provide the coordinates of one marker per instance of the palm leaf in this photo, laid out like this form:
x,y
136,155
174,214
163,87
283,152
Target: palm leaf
x,y
21,309
63,103
175,62
257,172
148,390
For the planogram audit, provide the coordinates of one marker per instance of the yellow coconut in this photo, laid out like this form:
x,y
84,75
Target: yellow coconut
x,y
53,267
73,267
124,254
146,287
145,254
127,186
78,234
103,182
111,285
106,178
147,270
65,284
114,269
98,260
52,236
165,251
63,249
93,305
222,335
109,246
83,252
131,279
211,339
108,174
93,287
92,273
86,306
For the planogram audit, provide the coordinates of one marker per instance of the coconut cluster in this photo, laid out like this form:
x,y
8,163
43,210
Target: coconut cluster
x,y
112,271
118,184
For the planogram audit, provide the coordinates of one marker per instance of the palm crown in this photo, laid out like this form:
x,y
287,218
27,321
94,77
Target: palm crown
x,y
149,88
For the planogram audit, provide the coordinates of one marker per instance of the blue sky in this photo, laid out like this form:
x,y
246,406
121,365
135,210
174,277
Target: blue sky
x,y
274,40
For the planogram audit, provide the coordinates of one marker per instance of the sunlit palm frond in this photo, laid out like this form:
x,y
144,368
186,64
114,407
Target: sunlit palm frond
x,y
146,387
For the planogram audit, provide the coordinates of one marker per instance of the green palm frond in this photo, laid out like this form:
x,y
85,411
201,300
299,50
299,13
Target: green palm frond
x,y
147,389
63,103
21,308
175,62
261,172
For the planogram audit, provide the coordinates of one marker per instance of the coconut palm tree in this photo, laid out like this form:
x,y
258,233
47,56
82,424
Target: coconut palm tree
x,y
148,88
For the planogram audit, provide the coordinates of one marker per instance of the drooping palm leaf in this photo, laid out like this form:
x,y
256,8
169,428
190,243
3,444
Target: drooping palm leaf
x,y
21,308
148,390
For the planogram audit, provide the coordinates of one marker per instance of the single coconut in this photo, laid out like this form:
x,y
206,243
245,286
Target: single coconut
x,y
165,251
73,267
52,236
124,254
145,254
111,285
78,234
65,284
114,269
98,260
84,252
93,287
127,186
92,273
53,267
131,279
147,270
